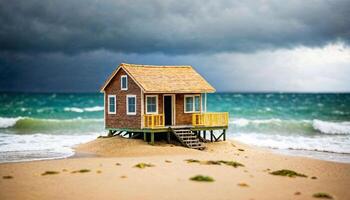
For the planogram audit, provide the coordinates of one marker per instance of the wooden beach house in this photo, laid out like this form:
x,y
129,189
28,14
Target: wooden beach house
x,y
154,102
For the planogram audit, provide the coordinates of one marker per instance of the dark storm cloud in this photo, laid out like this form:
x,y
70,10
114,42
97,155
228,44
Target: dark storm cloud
x,y
170,27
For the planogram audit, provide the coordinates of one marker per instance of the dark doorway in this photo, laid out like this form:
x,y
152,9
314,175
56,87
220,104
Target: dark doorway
x,y
168,111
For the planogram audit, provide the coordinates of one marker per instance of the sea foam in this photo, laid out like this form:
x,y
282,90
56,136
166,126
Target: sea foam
x,y
80,110
331,127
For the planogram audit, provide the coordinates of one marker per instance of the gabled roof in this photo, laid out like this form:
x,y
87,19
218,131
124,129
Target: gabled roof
x,y
164,79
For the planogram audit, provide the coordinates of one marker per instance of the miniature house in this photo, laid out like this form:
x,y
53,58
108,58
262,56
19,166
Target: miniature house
x,y
160,99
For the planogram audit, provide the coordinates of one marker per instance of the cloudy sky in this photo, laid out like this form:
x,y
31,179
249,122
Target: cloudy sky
x,y
265,45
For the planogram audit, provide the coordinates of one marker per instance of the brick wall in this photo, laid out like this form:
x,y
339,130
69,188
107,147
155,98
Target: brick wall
x,y
121,119
181,117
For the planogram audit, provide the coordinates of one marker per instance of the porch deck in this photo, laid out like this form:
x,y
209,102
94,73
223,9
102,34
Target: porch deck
x,y
201,123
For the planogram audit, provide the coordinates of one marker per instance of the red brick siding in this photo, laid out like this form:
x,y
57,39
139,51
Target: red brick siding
x,y
121,119
181,118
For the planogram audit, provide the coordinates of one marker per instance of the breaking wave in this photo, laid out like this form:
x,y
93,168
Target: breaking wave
x,y
80,110
292,126
30,125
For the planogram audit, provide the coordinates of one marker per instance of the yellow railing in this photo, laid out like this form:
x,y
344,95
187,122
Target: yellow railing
x,y
153,121
210,119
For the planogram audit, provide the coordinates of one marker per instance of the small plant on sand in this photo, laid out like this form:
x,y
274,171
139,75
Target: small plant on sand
x,y
168,161
7,177
243,185
240,149
81,171
287,172
49,173
143,165
201,178
192,161
123,176
297,193
232,163
98,171
322,195
314,177
211,162
118,164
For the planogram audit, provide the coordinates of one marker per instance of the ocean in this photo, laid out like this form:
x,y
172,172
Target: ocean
x,y
47,126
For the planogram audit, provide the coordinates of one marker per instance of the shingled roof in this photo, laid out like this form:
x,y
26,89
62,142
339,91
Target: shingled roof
x,y
164,79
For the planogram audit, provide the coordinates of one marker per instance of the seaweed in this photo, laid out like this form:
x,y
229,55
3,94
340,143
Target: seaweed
x,y
211,162
201,178
143,165
80,171
322,195
243,185
192,161
287,172
99,171
7,177
314,177
49,173
297,193
123,176
232,163
240,149
168,161
216,162
118,164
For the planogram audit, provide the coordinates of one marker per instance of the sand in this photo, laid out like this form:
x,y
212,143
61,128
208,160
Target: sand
x,y
112,174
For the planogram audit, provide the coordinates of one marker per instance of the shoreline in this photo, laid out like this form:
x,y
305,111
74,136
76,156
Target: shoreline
x,y
110,169
284,152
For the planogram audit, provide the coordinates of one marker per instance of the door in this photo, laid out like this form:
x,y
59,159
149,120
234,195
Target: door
x,y
168,110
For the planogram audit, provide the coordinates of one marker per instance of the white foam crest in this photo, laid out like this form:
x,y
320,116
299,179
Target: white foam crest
x,y
15,147
8,122
245,122
331,127
80,110
321,143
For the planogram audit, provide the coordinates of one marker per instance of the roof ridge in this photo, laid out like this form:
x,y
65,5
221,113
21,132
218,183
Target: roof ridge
x,y
156,66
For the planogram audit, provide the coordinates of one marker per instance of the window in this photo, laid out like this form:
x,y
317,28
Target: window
x,y
131,104
192,103
111,104
152,104
124,82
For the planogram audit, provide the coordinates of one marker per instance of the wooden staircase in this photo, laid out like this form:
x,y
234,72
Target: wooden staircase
x,y
188,139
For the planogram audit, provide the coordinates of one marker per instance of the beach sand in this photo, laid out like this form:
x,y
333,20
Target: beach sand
x,y
112,174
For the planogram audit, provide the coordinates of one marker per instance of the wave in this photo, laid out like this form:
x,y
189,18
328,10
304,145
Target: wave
x,y
8,122
80,110
39,146
332,127
292,126
32,125
326,143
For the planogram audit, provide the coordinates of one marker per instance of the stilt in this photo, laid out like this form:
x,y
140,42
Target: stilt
x,y
211,135
110,133
152,138
205,135
168,137
145,136
224,132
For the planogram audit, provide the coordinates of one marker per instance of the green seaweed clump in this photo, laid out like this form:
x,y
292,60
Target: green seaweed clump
x,y
201,178
143,165
322,195
49,173
7,177
232,163
211,162
287,172
81,171
192,161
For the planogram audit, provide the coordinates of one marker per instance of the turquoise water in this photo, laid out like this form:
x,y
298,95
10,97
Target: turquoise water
x,y
44,126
